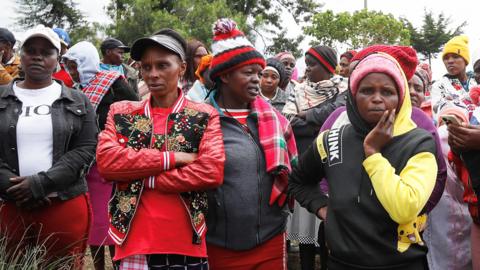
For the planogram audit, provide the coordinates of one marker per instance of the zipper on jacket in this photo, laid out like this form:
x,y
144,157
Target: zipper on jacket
x,y
166,133
258,180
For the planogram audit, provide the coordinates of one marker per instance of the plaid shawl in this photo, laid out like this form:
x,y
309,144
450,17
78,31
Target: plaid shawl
x,y
98,87
278,143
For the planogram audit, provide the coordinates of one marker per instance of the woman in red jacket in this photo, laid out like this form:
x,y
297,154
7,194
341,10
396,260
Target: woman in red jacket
x,y
162,153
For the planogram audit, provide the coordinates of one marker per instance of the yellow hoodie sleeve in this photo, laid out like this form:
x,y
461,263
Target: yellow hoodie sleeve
x,y
403,196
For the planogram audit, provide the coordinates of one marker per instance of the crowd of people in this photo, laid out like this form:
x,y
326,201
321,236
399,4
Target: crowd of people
x,y
171,154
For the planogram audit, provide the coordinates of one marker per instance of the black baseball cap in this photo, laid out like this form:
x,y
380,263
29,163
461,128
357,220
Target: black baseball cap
x,y
6,35
112,43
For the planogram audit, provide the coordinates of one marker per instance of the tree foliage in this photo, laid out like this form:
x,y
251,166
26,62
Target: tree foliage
x,y
357,30
281,44
269,11
90,32
58,13
51,13
192,18
433,34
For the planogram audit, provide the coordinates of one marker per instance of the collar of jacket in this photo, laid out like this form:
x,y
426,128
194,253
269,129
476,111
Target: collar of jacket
x,y
64,94
179,104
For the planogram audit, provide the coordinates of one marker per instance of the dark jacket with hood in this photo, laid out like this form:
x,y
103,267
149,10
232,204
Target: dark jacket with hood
x,y
373,202
306,130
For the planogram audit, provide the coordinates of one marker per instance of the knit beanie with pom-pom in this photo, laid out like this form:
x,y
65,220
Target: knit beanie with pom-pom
x,y
231,49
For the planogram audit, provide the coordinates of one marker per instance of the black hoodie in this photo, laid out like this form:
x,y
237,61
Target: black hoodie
x,y
361,231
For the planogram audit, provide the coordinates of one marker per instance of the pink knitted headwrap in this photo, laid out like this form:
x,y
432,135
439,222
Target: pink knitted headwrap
x,y
282,55
378,63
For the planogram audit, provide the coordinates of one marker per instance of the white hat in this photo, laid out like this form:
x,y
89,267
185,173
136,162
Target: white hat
x,y
44,32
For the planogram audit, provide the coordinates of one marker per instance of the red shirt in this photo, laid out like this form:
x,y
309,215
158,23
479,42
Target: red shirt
x,y
238,114
63,76
161,224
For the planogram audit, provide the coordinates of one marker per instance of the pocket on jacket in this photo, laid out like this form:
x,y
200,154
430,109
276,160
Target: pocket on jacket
x,y
77,109
76,112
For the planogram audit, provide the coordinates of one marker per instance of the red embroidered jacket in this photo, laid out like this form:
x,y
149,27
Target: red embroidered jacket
x,y
126,154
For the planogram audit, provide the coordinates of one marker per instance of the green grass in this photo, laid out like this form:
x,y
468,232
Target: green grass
x,y
29,257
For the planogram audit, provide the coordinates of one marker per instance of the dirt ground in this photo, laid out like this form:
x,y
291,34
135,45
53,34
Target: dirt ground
x,y
89,262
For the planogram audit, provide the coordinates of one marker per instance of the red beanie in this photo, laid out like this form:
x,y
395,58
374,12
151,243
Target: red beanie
x,y
349,55
231,49
378,63
405,56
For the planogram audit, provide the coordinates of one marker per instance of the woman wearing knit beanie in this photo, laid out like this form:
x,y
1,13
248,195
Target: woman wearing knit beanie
x,y
162,153
344,64
272,75
452,90
447,233
407,59
381,170
441,234
320,85
247,214
452,93
453,87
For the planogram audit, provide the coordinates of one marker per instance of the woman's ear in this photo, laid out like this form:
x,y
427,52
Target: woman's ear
x,y
225,78
183,68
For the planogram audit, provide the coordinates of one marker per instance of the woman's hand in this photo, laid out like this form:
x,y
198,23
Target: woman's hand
x,y
322,213
21,191
380,135
464,137
182,159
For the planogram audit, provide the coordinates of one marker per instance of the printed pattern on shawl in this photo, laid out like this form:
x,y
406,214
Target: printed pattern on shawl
x,y
185,131
309,94
98,87
278,143
450,92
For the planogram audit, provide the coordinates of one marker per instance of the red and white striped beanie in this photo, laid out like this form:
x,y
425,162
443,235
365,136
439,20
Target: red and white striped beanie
x,y
231,49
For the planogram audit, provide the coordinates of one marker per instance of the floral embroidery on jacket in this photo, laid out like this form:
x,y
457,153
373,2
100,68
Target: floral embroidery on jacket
x,y
185,131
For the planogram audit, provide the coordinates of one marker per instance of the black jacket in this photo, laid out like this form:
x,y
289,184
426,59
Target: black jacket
x,y
74,142
120,90
306,130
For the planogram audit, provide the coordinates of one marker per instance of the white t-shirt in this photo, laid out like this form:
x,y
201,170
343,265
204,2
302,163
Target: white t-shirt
x,y
34,128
